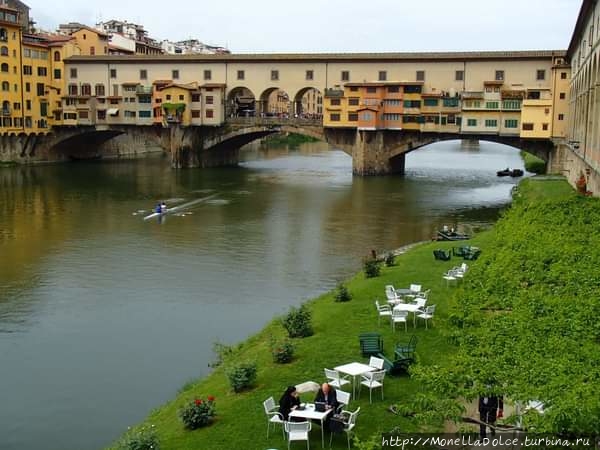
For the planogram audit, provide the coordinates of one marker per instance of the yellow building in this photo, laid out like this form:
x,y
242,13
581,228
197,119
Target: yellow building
x,y
10,71
90,41
561,79
536,114
36,83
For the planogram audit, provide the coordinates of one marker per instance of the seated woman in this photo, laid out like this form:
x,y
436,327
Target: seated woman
x,y
289,401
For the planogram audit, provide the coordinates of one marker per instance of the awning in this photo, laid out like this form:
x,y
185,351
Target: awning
x,y
113,111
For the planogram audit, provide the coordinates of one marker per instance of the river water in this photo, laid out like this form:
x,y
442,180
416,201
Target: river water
x,y
103,315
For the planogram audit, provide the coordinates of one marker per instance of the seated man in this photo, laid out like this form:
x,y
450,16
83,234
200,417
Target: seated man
x,y
328,396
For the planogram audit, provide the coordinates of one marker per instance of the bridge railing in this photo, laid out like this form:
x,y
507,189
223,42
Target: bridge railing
x,y
274,121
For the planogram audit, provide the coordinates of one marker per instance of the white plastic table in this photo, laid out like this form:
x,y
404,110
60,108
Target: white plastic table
x,y
354,369
410,307
309,412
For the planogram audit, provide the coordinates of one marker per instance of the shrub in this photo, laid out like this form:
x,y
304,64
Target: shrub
x,y
390,259
242,376
342,294
298,322
198,413
221,351
533,164
142,438
282,351
371,267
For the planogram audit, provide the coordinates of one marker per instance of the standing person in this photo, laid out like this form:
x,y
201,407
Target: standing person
x,y
163,207
158,208
289,401
490,408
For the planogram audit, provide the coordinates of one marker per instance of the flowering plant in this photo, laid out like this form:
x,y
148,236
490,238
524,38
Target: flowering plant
x,y
198,413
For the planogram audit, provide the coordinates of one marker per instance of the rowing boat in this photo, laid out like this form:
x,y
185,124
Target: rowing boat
x,y
178,208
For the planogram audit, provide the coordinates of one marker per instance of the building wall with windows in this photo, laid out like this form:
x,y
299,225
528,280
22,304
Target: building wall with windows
x,y
439,79
583,130
10,71
36,82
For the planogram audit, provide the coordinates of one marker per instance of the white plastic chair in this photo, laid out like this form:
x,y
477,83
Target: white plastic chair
x,y
420,302
415,288
298,431
375,362
343,398
450,276
383,311
273,415
390,294
334,378
348,425
427,314
373,380
399,316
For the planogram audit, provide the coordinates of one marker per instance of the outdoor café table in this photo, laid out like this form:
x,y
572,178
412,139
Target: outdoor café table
x,y
410,307
310,413
403,291
354,369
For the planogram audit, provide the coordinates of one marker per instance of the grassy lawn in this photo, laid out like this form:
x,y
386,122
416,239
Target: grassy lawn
x,y
241,422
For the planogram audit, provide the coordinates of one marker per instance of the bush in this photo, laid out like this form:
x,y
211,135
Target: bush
x,y
282,351
198,413
222,352
390,259
342,294
533,164
298,322
242,376
371,267
142,438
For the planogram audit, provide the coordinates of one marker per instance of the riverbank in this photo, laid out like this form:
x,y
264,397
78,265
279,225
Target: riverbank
x,y
335,342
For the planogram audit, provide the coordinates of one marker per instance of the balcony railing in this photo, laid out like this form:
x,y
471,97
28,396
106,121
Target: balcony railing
x,y
143,90
270,121
330,92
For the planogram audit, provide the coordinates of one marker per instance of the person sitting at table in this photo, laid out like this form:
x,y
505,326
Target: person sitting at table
x,y
328,396
289,401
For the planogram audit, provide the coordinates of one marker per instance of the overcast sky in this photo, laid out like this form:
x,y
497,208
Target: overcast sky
x,y
268,26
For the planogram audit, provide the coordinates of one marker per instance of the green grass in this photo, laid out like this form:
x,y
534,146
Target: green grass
x,y
533,164
291,139
539,189
241,422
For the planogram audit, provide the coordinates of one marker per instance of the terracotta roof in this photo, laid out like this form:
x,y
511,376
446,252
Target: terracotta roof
x,y
162,81
494,82
131,83
189,86
324,57
431,94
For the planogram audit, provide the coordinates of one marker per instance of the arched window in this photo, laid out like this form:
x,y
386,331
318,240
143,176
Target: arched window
x,y
72,89
5,86
100,90
4,67
3,34
5,106
56,55
4,50
86,89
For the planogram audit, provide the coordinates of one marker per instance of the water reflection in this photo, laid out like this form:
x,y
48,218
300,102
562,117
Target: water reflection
x,y
97,305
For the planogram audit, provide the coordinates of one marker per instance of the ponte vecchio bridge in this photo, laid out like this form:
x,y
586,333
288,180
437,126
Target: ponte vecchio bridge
x,y
376,107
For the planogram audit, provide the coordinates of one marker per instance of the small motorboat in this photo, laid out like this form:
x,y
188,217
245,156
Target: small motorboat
x,y
451,235
510,173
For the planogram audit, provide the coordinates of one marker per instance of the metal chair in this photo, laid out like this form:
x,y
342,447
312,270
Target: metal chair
x,y
373,380
348,425
298,431
273,415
